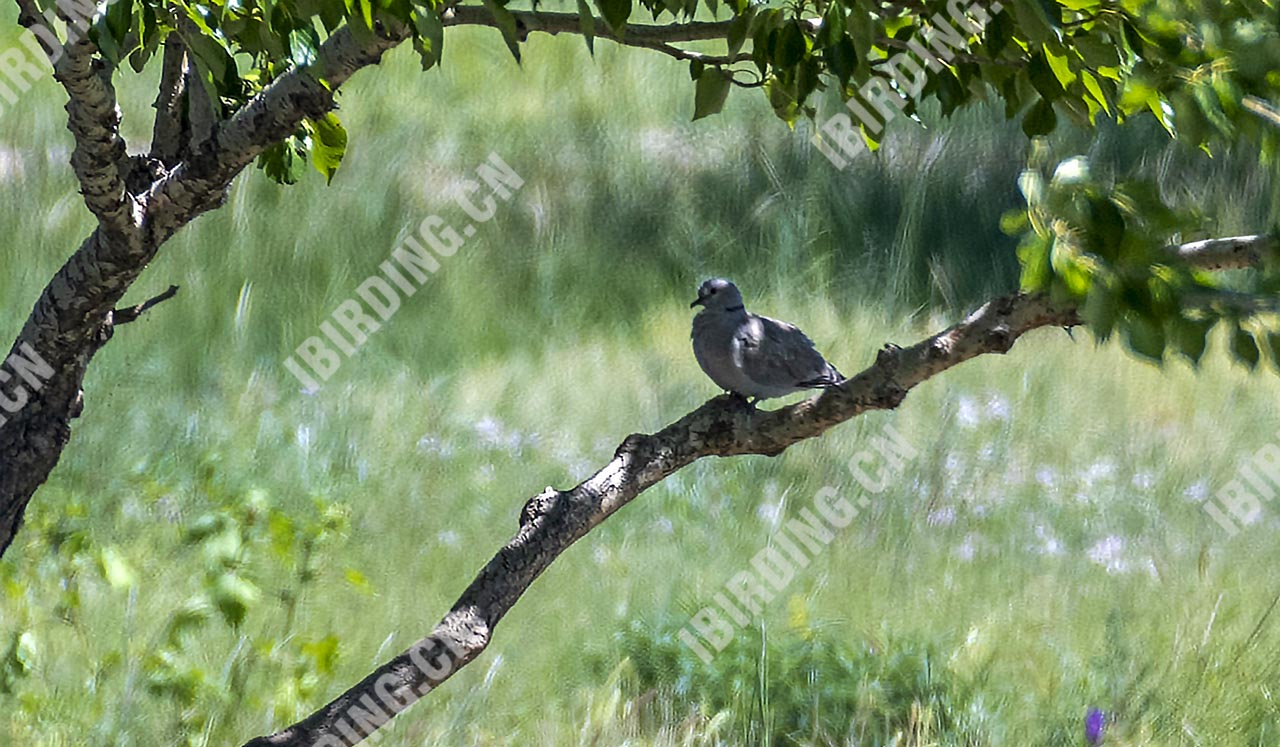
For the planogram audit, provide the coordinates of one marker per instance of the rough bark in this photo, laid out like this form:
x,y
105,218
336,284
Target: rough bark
x,y
725,426
141,201
73,317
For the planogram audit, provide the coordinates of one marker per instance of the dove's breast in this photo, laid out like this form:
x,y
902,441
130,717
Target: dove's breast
x,y
716,348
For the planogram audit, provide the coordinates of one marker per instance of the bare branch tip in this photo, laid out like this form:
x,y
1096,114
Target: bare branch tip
x,y
131,313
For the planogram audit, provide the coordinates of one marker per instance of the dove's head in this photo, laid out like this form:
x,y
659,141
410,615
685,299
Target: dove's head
x,y
718,294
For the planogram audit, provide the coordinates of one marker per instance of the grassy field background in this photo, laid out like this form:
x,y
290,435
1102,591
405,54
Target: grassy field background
x,y
1044,554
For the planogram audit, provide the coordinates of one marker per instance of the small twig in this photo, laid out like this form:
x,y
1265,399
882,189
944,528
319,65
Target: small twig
x,y
1266,111
131,313
689,55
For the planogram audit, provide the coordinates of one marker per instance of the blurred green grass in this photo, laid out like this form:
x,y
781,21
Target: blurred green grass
x,y
1048,543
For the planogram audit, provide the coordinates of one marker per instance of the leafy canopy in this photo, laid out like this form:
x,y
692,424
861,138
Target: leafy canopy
x,y
1207,71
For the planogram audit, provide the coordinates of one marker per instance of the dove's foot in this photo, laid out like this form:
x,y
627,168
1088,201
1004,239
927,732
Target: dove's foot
x,y
748,401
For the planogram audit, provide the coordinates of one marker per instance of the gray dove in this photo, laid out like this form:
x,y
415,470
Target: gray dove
x,y
750,355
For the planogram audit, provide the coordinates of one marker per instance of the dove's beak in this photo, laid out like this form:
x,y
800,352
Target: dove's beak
x,y
697,302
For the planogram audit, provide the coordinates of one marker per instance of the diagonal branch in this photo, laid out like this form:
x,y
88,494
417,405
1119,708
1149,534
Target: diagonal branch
x,y
725,426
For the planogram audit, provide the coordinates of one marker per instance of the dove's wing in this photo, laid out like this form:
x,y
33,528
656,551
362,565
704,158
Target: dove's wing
x,y
778,355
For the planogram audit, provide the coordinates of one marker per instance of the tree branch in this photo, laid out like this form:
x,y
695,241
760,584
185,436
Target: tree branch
x,y
725,426
660,38
99,158
73,317
166,136
638,35
1235,253
199,183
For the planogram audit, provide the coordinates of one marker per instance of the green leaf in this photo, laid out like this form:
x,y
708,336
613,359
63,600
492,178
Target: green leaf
x,y
1108,228
323,652
1040,119
1145,338
506,23
303,43
151,37
1244,348
1033,253
842,59
1132,37
366,12
790,46
358,581
281,162
1041,75
116,569
112,31
1101,309
862,30
429,40
1272,340
833,29
998,34
587,25
1032,22
615,13
1060,65
234,596
1094,88
1095,51
328,144
951,93
710,94
1190,337
738,29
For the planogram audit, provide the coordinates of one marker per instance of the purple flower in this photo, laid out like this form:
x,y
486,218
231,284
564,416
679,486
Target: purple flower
x,y
1095,722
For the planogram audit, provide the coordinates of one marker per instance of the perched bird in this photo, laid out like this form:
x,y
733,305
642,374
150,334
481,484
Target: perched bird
x,y
753,356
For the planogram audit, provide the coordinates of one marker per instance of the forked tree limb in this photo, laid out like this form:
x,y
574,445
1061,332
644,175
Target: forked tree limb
x,y
72,319
725,426
99,158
